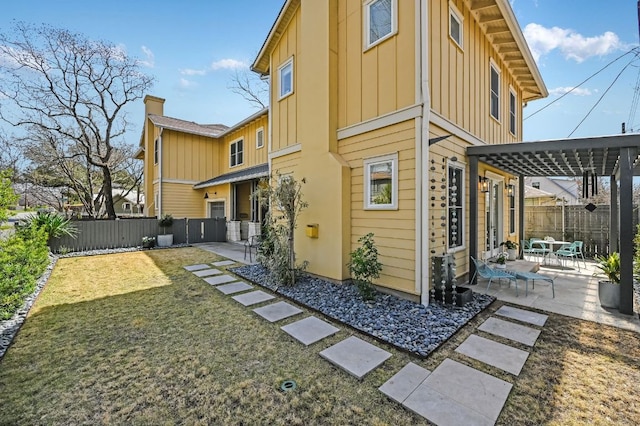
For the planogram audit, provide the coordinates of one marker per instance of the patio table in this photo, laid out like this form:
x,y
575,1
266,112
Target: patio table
x,y
551,244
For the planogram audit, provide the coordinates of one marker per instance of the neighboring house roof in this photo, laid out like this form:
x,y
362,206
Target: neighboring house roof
x,y
210,130
245,174
495,16
531,192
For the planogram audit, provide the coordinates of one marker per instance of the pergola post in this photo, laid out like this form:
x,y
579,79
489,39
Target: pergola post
x,y
614,216
473,216
521,211
627,156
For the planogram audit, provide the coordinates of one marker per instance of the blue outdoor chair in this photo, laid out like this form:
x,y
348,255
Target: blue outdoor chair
x,y
573,251
485,271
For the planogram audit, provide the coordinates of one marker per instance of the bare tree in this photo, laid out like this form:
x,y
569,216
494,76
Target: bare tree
x,y
65,88
251,87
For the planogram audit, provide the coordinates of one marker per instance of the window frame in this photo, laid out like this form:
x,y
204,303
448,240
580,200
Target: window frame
x,y
368,43
459,207
511,205
234,156
281,68
156,147
455,14
513,102
493,68
260,131
372,161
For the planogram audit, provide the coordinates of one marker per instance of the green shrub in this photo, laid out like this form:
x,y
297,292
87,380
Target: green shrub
x,y
23,259
54,225
364,266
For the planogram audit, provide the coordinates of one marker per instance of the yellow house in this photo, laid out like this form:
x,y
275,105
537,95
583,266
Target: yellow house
x,y
376,94
194,170
373,103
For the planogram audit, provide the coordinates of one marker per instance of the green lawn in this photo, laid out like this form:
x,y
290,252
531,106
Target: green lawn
x,y
133,338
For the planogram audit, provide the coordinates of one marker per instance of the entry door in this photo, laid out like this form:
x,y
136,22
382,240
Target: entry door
x,y
216,209
494,218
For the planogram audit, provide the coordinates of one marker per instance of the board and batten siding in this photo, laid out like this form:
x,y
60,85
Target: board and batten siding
x,y
460,78
181,200
378,80
252,156
394,230
285,111
188,157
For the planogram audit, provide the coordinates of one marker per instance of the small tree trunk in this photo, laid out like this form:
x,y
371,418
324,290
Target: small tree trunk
x,y
108,194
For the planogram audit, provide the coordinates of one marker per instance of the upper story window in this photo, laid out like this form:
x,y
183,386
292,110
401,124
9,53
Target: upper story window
x,y
260,137
285,78
155,151
512,112
495,92
535,185
236,153
455,206
380,20
455,24
126,206
381,182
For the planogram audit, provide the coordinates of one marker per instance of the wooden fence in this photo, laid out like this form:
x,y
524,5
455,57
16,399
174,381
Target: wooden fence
x,y
579,225
107,234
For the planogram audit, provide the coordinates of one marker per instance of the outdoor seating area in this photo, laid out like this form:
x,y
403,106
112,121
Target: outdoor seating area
x,y
551,251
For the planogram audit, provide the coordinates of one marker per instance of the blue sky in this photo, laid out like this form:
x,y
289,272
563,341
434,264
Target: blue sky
x,y
193,48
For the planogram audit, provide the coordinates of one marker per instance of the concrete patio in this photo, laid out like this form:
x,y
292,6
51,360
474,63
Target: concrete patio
x,y
576,294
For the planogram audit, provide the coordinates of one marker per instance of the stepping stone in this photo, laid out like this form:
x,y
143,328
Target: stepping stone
x,y
277,311
220,279
502,356
455,394
207,272
309,330
192,268
404,382
522,315
224,263
236,287
355,356
510,330
248,299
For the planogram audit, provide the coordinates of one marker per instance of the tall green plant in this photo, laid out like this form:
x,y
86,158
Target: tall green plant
x,y
610,267
8,197
283,195
54,225
364,266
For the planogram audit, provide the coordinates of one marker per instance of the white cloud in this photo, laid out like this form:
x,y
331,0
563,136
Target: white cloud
x,y
571,44
189,71
578,91
186,84
150,60
228,64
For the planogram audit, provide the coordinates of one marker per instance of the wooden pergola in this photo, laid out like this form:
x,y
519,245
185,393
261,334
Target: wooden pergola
x,y
613,156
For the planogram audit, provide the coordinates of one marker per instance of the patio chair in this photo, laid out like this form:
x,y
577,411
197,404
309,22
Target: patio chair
x,y
485,271
526,249
540,247
252,243
573,251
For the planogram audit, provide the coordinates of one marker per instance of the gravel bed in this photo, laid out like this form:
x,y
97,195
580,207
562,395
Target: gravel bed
x,y
402,323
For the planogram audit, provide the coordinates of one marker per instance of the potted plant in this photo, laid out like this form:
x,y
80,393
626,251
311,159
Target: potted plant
x,y
511,248
165,240
609,289
501,261
148,242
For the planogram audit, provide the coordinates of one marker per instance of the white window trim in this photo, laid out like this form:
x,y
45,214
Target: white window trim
x,y
455,13
394,24
493,66
513,93
394,182
461,195
156,152
513,182
260,129
280,68
126,206
232,143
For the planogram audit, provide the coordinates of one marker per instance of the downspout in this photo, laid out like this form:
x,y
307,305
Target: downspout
x,y
422,153
160,174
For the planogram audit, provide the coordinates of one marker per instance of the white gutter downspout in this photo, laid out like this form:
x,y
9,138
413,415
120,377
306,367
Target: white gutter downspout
x,y
160,174
423,154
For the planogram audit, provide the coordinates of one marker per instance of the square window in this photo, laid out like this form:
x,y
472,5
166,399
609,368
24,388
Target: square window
x,y
455,206
495,93
455,25
236,152
381,20
260,138
381,182
512,112
285,78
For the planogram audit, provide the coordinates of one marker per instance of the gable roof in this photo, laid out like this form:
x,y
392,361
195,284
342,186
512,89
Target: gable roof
x,y
261,63
210,130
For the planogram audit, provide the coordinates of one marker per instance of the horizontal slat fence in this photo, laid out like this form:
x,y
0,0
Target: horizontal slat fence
x,y
592,228
109,234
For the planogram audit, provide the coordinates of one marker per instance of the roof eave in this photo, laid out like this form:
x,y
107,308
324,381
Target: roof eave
x,y
261,63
